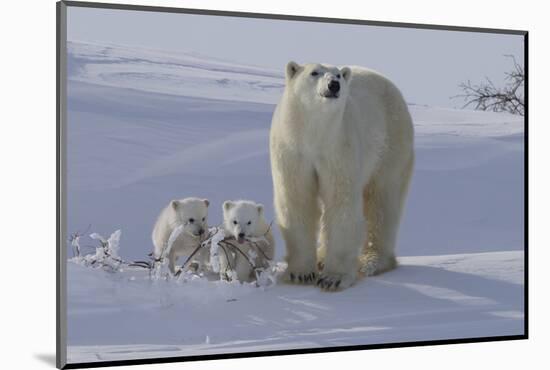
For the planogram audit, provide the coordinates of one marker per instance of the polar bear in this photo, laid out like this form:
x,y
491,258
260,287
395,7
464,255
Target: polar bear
x,y
341,148
192,213
244,220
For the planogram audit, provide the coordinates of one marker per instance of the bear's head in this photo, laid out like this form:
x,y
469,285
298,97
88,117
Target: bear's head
x,y
318,85
241,218
192,213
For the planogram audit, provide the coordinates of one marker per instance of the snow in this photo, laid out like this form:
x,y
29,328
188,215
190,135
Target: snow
x,y
182,74
147,126
441,297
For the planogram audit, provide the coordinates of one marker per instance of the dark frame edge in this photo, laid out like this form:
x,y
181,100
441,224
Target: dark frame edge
x,y
61,118
226,13
149,361
526,186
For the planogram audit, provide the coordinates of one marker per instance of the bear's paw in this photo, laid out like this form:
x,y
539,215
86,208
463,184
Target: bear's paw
x,y
335,281
299,277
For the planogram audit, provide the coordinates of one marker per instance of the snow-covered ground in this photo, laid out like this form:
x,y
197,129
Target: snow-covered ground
x,y
147,126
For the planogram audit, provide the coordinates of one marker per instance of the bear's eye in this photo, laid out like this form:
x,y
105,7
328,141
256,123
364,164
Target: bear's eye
x,y
338,76
234,222
191,220
314,73
249,223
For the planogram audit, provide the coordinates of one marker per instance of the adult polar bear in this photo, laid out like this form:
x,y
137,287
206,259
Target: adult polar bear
x,y
341,146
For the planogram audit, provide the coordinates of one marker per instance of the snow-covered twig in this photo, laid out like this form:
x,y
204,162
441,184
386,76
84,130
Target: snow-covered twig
x,y
74,239
159,267
107,254
264,273
75,243
215,240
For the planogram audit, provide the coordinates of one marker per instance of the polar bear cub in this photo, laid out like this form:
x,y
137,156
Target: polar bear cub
x,y
192,214
245,221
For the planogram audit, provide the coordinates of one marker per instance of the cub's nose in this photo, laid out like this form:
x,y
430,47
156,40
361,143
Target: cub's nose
x,y
201,231
334,86
241,235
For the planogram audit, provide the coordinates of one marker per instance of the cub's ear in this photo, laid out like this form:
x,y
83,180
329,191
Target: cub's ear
x,y
227,205
260,208
291,69
346,73
206,201
174,204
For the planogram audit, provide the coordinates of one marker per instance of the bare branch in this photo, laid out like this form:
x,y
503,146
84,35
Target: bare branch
x,y
486,96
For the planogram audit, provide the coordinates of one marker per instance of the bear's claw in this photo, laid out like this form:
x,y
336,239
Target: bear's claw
x,y
300,278
333,282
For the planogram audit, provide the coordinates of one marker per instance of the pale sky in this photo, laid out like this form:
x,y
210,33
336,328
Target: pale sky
x,y
427,65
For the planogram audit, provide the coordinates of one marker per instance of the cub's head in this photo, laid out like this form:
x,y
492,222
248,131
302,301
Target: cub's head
x,y
318,84
192,213
241,218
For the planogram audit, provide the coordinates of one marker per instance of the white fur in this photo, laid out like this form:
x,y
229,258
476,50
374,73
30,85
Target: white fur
x,y
341,168
246,218
192,213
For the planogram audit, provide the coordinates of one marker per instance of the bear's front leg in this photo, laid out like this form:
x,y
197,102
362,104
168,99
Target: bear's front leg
x,y
298,217
344,232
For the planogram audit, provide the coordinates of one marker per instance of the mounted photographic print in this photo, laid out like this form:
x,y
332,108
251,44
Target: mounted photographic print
x,y
235,184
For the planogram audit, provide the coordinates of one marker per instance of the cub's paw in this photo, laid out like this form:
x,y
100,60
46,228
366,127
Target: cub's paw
x,y
328,281
298,277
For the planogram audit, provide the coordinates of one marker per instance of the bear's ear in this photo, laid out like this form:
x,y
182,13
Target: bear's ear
x,y
291,69
206,201
346,73
174,204
227,205
260,208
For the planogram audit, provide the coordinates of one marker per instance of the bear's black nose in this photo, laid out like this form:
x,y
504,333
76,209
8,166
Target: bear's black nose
x,y
241,235
334,86
201,231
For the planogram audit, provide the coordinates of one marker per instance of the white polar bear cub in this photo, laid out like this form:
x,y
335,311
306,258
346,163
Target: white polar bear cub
x,y
244,220
192,213
341,147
